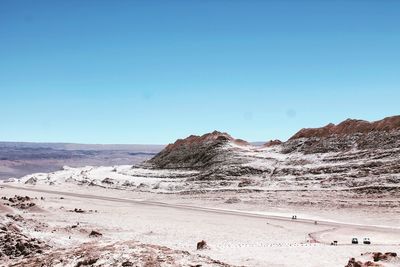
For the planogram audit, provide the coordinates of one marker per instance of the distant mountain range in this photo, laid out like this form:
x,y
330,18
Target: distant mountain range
x,y
20,158
74,146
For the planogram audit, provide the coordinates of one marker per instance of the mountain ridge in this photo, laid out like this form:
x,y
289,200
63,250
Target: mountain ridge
x,y
350,126
345,135
311,170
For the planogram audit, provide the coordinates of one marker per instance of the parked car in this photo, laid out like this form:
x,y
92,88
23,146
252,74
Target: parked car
x,y
354,240
367,241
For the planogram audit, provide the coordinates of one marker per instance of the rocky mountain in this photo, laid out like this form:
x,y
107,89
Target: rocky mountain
x,y
347,135
350,127
356,158
351,154
196,152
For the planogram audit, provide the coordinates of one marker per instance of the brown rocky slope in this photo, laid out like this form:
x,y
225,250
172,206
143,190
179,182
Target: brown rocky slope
x,y
195,152
347,135
349,127
360,154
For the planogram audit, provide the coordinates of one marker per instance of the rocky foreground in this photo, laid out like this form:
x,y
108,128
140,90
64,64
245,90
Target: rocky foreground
x,y
375,259
77,230
27,241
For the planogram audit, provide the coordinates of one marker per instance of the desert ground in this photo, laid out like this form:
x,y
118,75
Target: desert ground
x,y
237,234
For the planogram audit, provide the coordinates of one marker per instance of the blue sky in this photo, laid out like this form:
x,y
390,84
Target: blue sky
x,y
154,71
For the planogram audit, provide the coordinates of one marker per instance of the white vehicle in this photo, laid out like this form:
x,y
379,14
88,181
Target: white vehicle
x,y
366,241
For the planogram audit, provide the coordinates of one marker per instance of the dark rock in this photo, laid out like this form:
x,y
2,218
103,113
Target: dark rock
x,y
233,200
244,182
95,234
196,152
87,262
353,263
379,256
201,245
78,210
108,181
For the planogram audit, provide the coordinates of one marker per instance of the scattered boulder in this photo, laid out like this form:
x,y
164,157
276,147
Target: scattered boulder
x,y
142,185
87,262
233,200
14,217
95,234
108,181
19,202
128,184
244,183
379,256
372,264
79,210
201,245
225,183
32,181
353,263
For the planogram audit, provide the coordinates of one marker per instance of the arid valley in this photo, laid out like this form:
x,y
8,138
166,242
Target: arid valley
x,y
213,200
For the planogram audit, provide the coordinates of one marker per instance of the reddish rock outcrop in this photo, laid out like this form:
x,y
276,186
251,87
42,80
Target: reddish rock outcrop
x,y
348,135
350,126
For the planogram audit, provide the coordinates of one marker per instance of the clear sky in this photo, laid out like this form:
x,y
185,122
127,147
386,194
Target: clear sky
x,y
154,71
